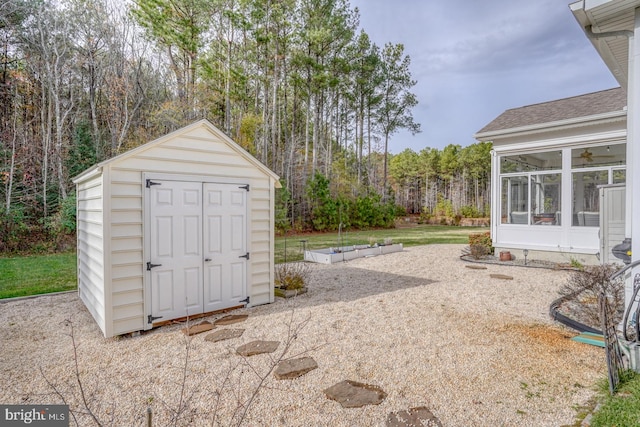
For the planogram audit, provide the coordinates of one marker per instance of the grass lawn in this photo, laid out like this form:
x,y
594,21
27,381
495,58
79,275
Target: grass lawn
x,y
37,274
40,274
621,409
414,236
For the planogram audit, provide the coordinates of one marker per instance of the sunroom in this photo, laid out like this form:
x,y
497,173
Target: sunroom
x,y
551,164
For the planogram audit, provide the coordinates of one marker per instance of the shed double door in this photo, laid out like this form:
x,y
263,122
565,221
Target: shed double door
x,y
197,247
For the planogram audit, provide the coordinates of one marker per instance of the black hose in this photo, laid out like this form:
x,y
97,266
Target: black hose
x,y
567,321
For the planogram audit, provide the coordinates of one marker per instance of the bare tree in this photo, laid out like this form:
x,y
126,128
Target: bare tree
x,y
49,43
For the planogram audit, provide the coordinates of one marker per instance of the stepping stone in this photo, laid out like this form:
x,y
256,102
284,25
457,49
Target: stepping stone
x,y
414,417
476,267
294,368
352,394
224,334
231,319
199,328
501,276
257,347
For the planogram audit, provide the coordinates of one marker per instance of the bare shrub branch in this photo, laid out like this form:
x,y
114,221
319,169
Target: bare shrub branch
x,y
584,287
232,399
292,275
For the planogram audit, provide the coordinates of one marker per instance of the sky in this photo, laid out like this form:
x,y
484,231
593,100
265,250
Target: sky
x,y
475,59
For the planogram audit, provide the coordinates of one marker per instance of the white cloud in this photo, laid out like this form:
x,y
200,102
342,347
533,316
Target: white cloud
x,y
474,59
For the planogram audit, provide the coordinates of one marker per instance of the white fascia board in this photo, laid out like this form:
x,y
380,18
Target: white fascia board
x,y
578,5
588,5
552,126
618,4
592,4
88,174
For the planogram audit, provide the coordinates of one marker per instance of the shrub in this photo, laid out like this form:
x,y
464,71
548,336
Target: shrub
x,y
61,226
14,230
587,284
481,239
328,212
324,209
290,276
469,212
425,216
400,211
576,264
478,251
444,207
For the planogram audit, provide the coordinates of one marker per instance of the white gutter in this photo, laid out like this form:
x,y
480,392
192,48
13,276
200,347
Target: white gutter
x,y
622,33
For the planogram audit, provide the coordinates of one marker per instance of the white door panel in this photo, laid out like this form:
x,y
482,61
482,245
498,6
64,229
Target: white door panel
x,y
176,249
225,234
198,247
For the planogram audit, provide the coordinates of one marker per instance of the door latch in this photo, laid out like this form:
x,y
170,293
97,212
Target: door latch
x,y
207,259
244,256
150,266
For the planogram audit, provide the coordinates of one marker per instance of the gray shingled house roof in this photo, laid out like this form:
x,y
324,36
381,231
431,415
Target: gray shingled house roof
x,y
606,101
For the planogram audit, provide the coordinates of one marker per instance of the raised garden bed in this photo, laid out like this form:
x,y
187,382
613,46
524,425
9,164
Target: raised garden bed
x,y
346,253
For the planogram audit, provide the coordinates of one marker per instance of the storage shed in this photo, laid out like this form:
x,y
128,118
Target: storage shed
x,y
177,227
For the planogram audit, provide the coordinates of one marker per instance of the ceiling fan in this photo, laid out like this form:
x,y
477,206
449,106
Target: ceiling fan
x,y
588,156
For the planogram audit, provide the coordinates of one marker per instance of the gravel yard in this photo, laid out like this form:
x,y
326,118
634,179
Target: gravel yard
x,y
475,350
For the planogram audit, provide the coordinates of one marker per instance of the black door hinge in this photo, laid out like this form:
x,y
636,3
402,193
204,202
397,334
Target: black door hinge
x,y
150,183
246,187
246,300
150,266
244,256
151,318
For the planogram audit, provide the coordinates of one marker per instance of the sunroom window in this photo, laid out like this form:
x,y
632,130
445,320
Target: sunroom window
x,y
515,196
591,168
530,193
545,199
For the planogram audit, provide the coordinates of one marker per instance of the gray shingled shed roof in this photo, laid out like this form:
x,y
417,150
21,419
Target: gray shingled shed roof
x,y
591,104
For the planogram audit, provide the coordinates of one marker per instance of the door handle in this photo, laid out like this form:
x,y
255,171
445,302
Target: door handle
x,y
207,259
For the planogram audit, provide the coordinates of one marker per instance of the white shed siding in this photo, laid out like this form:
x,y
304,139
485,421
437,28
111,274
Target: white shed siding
x,y
183,155
201,153
91,247
126,250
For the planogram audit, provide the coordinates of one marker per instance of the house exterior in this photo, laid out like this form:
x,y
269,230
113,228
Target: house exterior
x,y
549,163
612,26
179,226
